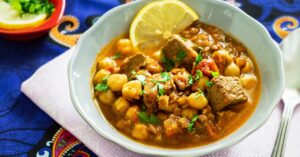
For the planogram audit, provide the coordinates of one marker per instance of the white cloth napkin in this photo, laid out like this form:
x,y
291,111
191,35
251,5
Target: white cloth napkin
x,y
48,89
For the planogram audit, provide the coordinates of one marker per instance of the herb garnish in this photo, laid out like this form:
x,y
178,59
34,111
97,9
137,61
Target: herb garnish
x,y
161,90
32,6
198,75
102,87
168,63
192,123
191,81
116,56
180,55
141,78
142,92
148,119
215,74
198,59
209,83
165,77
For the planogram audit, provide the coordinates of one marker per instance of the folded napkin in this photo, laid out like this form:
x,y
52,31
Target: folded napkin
x,y
48,88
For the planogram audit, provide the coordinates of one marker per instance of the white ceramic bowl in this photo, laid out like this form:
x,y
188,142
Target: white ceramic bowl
x,y
227,17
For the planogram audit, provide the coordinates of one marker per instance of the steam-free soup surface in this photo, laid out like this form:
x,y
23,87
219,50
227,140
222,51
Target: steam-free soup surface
x,y
199,87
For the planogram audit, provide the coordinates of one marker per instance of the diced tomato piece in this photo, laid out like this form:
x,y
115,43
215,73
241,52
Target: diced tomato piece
x,y
207,66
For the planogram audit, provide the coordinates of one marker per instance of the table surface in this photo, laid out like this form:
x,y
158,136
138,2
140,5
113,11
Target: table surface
x,y
25,130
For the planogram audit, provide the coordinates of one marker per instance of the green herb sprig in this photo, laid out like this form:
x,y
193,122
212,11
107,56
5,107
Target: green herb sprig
x,y
148,119
32,6
192,123
102,87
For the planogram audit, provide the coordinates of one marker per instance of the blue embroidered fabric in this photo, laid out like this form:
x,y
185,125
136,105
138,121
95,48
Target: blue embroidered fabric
x,y
25,130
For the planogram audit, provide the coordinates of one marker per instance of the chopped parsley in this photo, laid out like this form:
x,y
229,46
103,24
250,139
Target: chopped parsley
x,y
148,119
161,90
116,56
192,123
168,63
209,83
32,6
198,75
199,93
102,87
180,55
165,77
142,92
198,59
141,78
191,81
215,74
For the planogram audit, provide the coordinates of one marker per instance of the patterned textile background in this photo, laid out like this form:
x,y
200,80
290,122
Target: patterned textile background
x,y
25,130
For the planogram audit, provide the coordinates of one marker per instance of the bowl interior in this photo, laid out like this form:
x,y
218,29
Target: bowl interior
x,y
49,23
229,18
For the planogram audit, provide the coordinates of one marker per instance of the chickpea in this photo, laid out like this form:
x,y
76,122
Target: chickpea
x,y
121,106
194,30
202,82
171,127
116,81
107,97
132,90
100,75
157,55
222,56
153,66
248,67
248,81
241,62
140,131
189,113
163,104
232,70
124,46
132,113
106,63
182,100
197,101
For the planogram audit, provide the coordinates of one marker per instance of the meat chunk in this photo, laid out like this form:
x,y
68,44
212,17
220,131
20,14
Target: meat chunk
x,y
179,51
181,78
224,92
133,63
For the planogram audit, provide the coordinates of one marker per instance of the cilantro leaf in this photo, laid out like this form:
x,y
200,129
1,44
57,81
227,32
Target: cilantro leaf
x,y
198,75
32,6
198,59
215,74
165,77
161,90
192,123
168,63
116,56
209,83
180,55
191,81
141,78
101,87
148,119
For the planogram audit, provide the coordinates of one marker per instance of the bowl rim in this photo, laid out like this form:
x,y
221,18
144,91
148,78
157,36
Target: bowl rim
x,y
180,152
49,23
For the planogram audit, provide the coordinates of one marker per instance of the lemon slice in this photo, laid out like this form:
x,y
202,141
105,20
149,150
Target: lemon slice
x,y
157,22
10,18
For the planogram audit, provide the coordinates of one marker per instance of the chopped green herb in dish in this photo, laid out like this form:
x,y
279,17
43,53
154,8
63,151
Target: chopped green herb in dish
x,y
148,119
32,6
192,123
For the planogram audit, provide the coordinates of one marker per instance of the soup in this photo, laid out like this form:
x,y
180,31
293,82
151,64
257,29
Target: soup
x,y
205,91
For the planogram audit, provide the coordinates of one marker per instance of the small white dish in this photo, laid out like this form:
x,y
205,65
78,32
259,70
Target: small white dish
x,y
219,13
